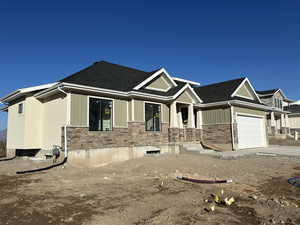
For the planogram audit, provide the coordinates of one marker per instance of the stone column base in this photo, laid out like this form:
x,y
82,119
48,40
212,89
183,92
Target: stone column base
x,y
273,131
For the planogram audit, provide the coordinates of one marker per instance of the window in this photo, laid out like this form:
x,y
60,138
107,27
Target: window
x,y
152,117
100,114
20,108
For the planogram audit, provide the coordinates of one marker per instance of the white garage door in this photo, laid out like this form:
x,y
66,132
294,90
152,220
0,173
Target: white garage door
x,y
251,132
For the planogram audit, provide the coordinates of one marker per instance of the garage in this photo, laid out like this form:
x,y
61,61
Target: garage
x,y
251,131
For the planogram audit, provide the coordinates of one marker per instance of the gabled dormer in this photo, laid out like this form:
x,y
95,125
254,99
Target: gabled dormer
x,y
274,98
160,80
245,90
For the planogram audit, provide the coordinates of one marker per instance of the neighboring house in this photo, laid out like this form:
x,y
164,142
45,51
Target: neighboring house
x,y
296,103
277,118
112,106
294,117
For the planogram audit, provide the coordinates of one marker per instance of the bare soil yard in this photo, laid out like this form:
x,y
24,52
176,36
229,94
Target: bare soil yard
x,y
145,192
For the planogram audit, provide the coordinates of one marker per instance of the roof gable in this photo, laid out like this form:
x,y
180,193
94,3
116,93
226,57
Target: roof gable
x,y
161,72
185,98
222,91
279,93
245,90
160,84
187,95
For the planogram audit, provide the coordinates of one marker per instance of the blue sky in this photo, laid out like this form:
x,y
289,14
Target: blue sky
x,y
206,41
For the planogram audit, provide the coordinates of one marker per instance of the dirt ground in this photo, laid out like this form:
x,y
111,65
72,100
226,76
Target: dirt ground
x,y
145,192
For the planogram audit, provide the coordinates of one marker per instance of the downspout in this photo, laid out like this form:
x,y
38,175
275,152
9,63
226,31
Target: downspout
x,y
231,123
67,122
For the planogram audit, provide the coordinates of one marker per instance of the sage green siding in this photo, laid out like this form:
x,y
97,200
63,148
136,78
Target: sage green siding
x,y
78,110
138,111
245,91
166,113
129,110
216,116
120,113
248,111
185,97
160,83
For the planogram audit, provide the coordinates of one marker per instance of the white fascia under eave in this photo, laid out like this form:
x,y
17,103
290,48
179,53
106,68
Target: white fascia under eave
x,y
235,102
70,86
20,92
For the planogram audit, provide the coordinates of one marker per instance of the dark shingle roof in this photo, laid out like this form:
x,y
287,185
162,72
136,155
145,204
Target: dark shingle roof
x,y
267,92
221,91
293,108
109,76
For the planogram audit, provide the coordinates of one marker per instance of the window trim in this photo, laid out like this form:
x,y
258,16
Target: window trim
x,y
88,112
161,115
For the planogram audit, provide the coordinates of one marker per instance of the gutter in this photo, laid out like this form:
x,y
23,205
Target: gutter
x,y
235,102
101,90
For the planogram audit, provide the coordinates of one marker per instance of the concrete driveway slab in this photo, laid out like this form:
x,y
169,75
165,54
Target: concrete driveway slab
x,y
288,151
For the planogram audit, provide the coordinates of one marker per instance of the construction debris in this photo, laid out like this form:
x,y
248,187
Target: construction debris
x,y
218,200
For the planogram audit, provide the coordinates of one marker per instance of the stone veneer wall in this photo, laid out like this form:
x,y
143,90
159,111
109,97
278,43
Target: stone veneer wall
x,y
134,135
140,137
219,135
184,135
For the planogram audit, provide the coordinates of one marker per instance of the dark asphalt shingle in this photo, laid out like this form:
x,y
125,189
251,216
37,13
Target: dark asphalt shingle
x,y
109,76
222,91
266,92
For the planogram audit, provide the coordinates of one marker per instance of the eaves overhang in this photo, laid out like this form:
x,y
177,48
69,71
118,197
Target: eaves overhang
x,y
234,103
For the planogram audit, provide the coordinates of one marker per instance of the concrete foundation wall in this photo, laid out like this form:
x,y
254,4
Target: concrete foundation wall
x,y
104,156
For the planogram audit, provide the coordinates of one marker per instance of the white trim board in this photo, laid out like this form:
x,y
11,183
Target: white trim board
x,y
186,81
241,84
157,73
187,86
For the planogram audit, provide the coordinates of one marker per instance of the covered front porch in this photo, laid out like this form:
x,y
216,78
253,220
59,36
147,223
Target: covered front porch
x,y
185,122
278,123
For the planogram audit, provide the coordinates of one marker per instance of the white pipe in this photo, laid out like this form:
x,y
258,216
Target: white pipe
x,y
66,125
232,133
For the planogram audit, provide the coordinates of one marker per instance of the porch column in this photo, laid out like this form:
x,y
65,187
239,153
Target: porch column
x,y
191,117
287,122
273,123
282,121
173,116
179,116
199,119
